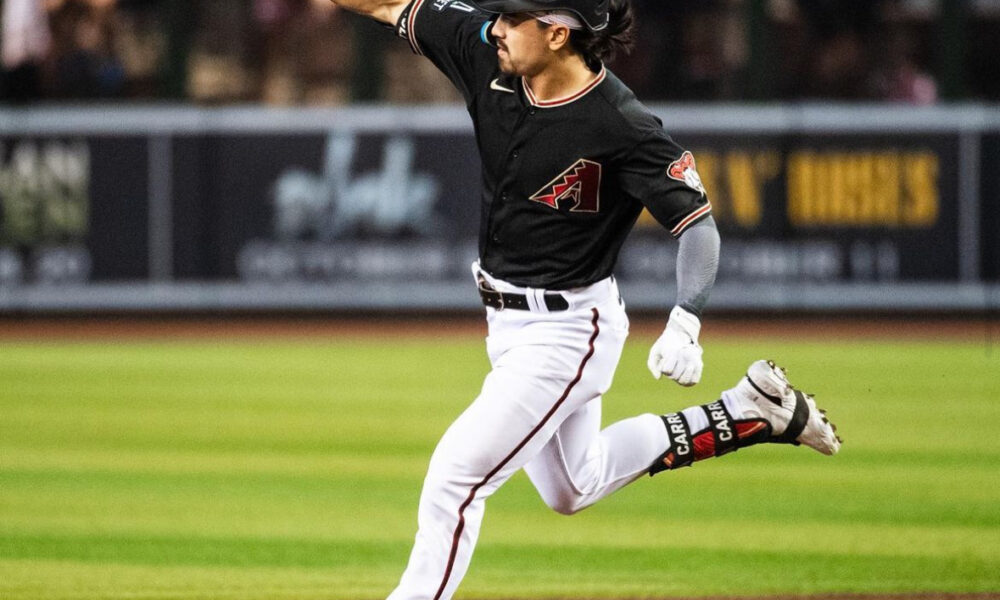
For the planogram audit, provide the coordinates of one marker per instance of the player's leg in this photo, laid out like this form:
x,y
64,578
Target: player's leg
x,y
763,407
582,464
544,369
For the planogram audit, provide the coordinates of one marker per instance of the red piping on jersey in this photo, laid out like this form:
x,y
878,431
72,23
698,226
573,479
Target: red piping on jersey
x,y
561,101
410,20
472,493
691,218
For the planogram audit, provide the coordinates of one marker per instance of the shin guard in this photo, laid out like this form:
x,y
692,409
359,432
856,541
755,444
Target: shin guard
x,y
723,435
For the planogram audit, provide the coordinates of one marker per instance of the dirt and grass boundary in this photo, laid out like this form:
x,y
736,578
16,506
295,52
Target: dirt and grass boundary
x,y
972,330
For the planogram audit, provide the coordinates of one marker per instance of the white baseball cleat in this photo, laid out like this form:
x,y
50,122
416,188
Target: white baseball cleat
x,y
794,418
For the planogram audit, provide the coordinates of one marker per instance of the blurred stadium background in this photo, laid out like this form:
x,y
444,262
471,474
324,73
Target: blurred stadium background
x,y
274,155
271,159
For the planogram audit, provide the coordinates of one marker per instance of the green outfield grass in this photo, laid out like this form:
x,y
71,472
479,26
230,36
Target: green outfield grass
x,y
266,469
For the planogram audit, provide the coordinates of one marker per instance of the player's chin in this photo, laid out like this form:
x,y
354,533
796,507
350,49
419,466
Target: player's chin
x,y
503,60
507,67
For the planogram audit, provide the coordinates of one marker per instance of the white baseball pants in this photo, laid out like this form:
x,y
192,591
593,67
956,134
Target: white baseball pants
x,y
539,409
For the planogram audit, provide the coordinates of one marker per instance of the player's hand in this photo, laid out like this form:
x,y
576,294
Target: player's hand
x,y
677,353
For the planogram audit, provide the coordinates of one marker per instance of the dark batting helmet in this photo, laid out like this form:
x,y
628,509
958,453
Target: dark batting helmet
x,y
593,13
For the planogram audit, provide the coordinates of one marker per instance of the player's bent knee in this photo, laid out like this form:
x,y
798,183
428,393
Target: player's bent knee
x,y
565,504
566,510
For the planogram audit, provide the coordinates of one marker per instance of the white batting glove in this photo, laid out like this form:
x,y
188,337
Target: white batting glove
x,y
677,353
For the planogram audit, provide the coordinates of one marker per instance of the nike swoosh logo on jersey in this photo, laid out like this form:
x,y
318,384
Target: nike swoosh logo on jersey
x,y
495,85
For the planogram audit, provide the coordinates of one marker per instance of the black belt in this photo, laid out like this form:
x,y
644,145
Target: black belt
x,y
501,300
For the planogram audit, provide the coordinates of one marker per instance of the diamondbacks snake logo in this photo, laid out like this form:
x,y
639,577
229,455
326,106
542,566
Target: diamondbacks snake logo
x,y
684,169
581,182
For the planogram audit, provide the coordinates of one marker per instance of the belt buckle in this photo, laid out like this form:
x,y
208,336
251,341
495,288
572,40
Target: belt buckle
x,y
485,286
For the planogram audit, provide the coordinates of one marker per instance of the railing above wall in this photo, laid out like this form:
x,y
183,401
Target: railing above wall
x,y
678,118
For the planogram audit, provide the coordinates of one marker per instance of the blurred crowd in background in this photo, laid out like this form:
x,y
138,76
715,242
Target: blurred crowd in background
x,y
309,52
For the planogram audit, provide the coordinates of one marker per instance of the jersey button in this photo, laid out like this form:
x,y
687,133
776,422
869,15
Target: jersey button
x,y
515,154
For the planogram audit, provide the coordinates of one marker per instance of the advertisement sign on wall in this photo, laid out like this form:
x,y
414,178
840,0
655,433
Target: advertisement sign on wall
x,y
349,204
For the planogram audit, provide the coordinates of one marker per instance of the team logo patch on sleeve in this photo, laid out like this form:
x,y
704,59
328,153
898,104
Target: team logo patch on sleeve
x,y
581,182
684,169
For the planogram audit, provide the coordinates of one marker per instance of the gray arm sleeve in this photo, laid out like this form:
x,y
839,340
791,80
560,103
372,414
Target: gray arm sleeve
x,y
697,263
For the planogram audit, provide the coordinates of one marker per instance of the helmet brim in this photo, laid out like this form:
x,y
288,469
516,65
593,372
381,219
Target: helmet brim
x,y
517,6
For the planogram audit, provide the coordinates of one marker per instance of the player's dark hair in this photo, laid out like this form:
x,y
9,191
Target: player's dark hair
x,y
617,38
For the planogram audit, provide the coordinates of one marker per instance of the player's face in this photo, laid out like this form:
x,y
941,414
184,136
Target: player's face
x,y
522,44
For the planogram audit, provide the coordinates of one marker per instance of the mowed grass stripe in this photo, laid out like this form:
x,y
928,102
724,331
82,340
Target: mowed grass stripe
x,y
504,572
829,570
954,497
100,581
188,470
198,551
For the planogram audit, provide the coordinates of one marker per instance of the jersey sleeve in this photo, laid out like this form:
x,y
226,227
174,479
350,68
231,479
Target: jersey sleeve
x,y
664,178
454,36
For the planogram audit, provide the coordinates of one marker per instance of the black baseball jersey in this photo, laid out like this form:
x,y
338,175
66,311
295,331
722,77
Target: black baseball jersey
x,y
563,180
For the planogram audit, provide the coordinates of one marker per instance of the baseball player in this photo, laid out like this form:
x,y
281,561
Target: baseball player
x,y
569,160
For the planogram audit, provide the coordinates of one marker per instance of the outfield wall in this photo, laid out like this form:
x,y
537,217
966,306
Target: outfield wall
x,y
821,208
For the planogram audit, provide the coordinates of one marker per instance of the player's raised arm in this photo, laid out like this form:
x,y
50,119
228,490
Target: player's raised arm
x,y
386,11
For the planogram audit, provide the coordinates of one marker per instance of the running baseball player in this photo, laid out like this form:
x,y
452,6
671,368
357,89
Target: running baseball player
x,y
569,160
